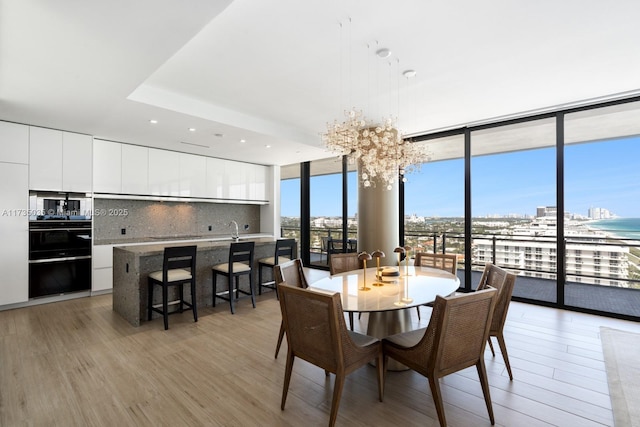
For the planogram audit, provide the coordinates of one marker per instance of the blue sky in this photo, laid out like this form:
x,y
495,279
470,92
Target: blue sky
x,y
604,175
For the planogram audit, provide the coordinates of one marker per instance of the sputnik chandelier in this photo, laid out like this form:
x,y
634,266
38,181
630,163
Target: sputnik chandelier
x,y
379,148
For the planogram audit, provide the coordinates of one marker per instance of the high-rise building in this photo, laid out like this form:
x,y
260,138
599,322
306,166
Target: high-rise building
x,y
533,252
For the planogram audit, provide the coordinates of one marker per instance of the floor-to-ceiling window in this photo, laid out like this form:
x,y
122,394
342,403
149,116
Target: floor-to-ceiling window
x,y
602,148
332,210
513,192
290,202
434,200
551,198
326,209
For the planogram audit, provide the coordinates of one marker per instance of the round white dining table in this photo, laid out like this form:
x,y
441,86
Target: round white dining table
x,y
388,299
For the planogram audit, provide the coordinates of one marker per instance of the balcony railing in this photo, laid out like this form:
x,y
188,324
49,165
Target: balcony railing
x,y
453,242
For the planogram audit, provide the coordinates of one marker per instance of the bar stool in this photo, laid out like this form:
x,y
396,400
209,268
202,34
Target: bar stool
x,y
240,264
178,269
285,250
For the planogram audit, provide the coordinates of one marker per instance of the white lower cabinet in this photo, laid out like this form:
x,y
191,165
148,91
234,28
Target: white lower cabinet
x,y
14,229
102,279
102,264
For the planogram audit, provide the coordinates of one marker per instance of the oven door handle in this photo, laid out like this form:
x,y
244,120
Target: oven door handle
x,y
49,260
60,229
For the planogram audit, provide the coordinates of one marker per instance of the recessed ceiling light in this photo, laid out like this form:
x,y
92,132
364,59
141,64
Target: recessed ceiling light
x,y
218,135
409,73
383,53
243,141
267,146
192,129
153,121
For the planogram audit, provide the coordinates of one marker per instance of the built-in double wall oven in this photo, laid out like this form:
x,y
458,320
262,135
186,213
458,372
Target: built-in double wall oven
x,y
59,246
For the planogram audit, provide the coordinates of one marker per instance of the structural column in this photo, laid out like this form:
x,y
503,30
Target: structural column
x,y
378,220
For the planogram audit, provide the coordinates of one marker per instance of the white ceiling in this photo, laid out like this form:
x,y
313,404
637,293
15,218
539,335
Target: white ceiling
x,y
276,72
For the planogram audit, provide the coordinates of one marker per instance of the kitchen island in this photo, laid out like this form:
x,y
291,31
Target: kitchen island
x,y
132,265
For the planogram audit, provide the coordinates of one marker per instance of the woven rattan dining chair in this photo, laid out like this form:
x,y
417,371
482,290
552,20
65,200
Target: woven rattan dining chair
x,y
495,277
340,263
291,273
455,339
446,262
316,332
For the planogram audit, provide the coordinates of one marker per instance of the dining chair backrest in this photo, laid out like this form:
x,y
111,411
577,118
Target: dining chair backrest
x,y
446,262
460,328
339,263
316,332
291,273
498,278
324,243
314,325
455,339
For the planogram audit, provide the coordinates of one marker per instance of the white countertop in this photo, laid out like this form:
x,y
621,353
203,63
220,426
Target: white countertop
x,y
157,247
177,239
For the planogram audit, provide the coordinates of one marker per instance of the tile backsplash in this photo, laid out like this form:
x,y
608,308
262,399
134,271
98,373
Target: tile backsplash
x,y
144,219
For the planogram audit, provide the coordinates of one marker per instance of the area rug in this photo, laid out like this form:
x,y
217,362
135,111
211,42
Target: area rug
x,y
621,357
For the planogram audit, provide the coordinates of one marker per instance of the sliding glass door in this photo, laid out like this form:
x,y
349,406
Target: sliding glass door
x,y
513,182
602,148
434,200
552,198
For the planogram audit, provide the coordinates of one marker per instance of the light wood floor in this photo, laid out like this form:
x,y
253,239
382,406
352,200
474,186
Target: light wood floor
x,y
76,363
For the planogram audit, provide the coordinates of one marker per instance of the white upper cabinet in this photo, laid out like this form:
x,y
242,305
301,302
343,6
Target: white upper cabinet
x,y
59,161
238,184
131,169
258,189
45,159
107,166
135,169
216,187
14,143
164,173
193,175
77,161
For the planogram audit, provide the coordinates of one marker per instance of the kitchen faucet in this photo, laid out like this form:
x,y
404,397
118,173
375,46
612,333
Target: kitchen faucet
x,y
234,235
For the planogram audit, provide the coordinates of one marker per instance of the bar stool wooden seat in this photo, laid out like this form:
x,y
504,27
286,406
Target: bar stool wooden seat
x,y
285,251
178,269
240,264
